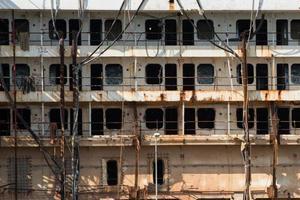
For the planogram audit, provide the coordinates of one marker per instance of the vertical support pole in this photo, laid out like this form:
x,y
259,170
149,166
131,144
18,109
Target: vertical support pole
x,y
15,105
62,115
246,148
137,153
42,71
156,188
90,119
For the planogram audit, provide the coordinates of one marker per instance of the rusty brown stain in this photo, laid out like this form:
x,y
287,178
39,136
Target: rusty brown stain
x,y
162,97
171,5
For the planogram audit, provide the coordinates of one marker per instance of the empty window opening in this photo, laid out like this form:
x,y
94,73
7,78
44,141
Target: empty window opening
x,y
113,74
284,121
171,123
189,121
154,118
55,118
22,73
26,115
113,117
22,30
24,172
6,76
71,77
160,172
171,76
282,76
239,118
112,172
95,31
4,32
153,29
242,26
154,74
205,74
262,76
206,118
205,29
5,122
262,120
295,29
296,117
262,32
295,74
282,34
188,77
79,121
250,74
96,77
113,30
170,32
61,29
74,27
187,32
54,74
97,121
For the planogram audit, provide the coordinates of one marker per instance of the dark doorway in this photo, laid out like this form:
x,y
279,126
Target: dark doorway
x,y
112,172
262,76
171,76
4,32
4,122
282,33
71,75
284,121
188,76
262,120
5,71
96,77
282,76
74,28
187,32
262,32
160,172
171,123
154,118
95,31
170,32
113,117
97,121
79,120
189,121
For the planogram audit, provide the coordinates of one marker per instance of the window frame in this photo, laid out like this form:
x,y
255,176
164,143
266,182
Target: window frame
x,y
210,78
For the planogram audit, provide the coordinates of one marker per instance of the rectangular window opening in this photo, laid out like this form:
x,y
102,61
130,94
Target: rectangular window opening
x,y
61,29
295,29
4,32
296,117
113,30
96,77
171,76
97,121
242,25
170,32
205,74
282,76
112,172
262,119
295,74
26,115
239,118
154,74
206,118
160,171
205,29
6,75
153,29
250,74
188,77
113,118
5,122
171,123
282,33
79,120
74,27
262,77
55,117
262,33
154,118
189,121
187,32
95,31
284,121
113,74
54,74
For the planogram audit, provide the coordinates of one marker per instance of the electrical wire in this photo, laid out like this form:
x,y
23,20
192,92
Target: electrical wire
x,y
116,39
